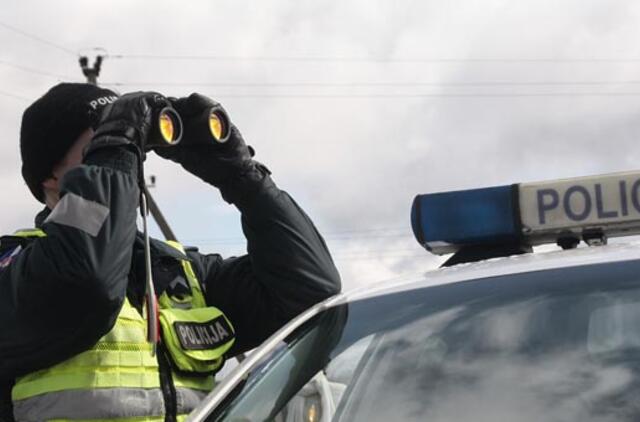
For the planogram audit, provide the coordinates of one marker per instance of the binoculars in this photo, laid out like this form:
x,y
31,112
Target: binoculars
x,y
167,128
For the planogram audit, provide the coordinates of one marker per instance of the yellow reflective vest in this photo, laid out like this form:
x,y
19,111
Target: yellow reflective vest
x,y
119,378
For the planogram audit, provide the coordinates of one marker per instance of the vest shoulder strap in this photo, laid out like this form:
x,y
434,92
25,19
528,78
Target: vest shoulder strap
x,y
196,290
29,233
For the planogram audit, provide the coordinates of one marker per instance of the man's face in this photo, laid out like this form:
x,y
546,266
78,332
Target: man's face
x,y
72,159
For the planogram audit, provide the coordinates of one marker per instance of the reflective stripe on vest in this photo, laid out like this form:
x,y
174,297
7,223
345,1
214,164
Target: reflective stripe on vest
x,y
120,362
123,356
84,405
117,380
198,300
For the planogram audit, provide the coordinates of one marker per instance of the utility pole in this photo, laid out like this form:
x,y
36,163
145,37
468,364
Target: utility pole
x,y
157,214
92,74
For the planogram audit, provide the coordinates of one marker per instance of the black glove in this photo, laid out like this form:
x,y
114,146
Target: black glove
x,y
219,164
127,122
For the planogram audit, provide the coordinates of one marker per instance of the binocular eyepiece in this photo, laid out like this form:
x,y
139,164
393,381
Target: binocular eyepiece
x,y
167,128
212,125
217,122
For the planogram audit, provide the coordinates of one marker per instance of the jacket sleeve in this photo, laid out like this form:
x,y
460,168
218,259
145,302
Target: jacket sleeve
x,y
64,291
288,267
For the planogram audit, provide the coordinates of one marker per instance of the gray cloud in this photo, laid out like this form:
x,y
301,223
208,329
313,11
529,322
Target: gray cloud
x,y
354,163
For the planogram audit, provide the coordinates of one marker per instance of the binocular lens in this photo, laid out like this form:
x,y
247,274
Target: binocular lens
x,y
169,125
218,126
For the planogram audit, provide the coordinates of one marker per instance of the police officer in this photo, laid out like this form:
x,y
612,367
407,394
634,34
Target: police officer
x,y
73,333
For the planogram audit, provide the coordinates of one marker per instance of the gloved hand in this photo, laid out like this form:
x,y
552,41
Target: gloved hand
x,y
127,122
215,163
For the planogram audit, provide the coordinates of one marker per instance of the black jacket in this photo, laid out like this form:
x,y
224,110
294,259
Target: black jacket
x,y
61,293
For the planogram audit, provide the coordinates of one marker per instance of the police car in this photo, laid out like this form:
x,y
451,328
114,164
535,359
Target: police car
x,y
499,333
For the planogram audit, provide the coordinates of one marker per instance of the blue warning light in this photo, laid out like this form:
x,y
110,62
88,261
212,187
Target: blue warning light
x,y
530,214
444,222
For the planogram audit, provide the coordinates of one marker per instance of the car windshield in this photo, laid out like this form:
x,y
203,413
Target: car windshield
x,y
555,345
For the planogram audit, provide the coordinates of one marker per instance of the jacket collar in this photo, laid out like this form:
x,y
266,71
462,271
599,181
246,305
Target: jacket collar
x,y
41,216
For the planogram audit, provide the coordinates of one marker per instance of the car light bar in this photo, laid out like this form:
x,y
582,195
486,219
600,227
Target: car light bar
x,y
529,213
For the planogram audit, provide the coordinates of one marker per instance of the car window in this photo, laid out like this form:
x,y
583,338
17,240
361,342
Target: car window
x,y
552,345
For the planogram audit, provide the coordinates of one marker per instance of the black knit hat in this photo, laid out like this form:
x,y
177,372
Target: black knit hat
x,y
51,125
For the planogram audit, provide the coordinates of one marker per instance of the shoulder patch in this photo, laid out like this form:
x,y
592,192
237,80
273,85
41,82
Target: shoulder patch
x,y
7,257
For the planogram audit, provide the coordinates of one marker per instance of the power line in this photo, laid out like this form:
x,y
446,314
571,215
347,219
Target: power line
x,y
327,237
430,95
370,236
380,229
335,236
38,39
331,240
327,233
17,97
378,258
306,59
361,256
373,84
337,256
360,251
375,253
35,71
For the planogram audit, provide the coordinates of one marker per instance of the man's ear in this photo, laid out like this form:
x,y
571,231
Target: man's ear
x,y
50,183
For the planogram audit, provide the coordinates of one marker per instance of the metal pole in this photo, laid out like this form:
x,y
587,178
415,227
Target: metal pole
x,y
159,217
91,73
149,203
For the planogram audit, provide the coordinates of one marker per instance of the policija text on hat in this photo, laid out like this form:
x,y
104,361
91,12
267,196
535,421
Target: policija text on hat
x,y
73,328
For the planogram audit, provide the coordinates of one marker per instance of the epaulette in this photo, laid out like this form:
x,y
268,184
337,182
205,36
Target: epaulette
x,y
10,247
20,238
8,243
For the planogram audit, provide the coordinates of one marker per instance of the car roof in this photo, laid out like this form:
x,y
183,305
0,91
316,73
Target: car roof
x,y
515,264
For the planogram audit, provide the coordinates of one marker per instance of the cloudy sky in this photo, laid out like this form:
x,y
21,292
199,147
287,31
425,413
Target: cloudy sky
x,y
356,106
